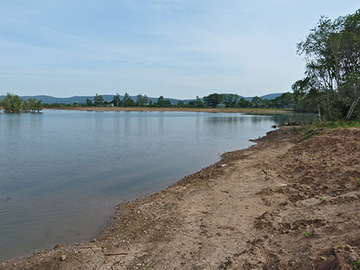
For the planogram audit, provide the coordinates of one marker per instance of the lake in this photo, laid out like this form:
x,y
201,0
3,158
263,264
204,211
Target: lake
x,y
63,172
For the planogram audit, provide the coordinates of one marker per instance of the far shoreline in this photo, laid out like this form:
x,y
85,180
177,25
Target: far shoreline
x,y
170,109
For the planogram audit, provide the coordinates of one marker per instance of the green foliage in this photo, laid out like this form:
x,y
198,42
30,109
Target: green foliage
x,y
354,264
14,104
244,103
116,100
332,83
161,102
141,100
231,100
198,103
98,100
357,182
127,101
336,124
306,234
35,105
213,100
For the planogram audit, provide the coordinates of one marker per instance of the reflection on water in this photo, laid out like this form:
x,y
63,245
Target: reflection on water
x,y
296,118
62,172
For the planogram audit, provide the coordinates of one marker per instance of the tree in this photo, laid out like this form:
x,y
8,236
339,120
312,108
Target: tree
x,y
244,103
257,102
98,100
198,103
181,103
213,100
116,100
231,100
141,100
332,55
286,100
38,106
161,102
25,106
127,101
12,103
89,102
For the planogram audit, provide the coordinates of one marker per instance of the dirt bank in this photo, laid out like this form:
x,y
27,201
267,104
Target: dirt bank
x,y
285,203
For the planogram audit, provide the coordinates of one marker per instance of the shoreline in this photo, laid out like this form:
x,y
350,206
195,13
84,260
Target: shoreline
x,y
253,209
164,109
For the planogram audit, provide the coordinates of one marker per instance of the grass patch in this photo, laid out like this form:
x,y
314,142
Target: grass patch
x,y
357,182
336,124
354,264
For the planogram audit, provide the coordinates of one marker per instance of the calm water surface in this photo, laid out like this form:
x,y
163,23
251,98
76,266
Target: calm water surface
x,y
62,172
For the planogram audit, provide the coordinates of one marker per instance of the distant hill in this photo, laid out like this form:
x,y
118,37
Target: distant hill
x,y
272,96
82,99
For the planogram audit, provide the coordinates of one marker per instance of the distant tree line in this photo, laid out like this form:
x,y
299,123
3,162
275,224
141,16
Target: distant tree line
x,y
285,101
214,100
14,104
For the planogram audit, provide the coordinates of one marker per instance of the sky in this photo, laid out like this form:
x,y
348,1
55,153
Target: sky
x,y
175,48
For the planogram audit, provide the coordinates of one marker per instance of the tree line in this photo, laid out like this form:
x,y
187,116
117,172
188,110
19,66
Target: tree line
x,y
14,104
211,101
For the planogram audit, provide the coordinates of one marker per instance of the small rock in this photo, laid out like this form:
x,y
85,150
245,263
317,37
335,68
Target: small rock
x,y
63,258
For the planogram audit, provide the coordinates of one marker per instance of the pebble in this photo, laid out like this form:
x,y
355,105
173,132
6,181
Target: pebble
x,y
63,258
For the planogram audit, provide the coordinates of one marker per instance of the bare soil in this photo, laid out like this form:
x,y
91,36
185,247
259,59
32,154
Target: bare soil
x,y
285,203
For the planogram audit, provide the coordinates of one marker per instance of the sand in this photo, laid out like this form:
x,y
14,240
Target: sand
x,y
285,203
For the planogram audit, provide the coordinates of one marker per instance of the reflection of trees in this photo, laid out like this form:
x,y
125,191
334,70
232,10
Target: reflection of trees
x,y
295,117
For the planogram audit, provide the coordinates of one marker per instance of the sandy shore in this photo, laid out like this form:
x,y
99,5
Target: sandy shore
x,y
285,203
155,109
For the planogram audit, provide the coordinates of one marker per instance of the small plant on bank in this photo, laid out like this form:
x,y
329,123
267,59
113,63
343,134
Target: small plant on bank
x,y
306,234
357,182
296,225
354,264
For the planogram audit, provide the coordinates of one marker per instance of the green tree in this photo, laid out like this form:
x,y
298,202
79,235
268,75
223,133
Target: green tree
x,y
181,103
161,102
332,55
127,101
98,100
116,100
12,103
213,100
141,100
231,100
244,103
89,102
25,106
257,102
38,106
198,103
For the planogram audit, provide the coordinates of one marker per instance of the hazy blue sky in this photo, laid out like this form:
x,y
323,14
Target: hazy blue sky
x,y
175,48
